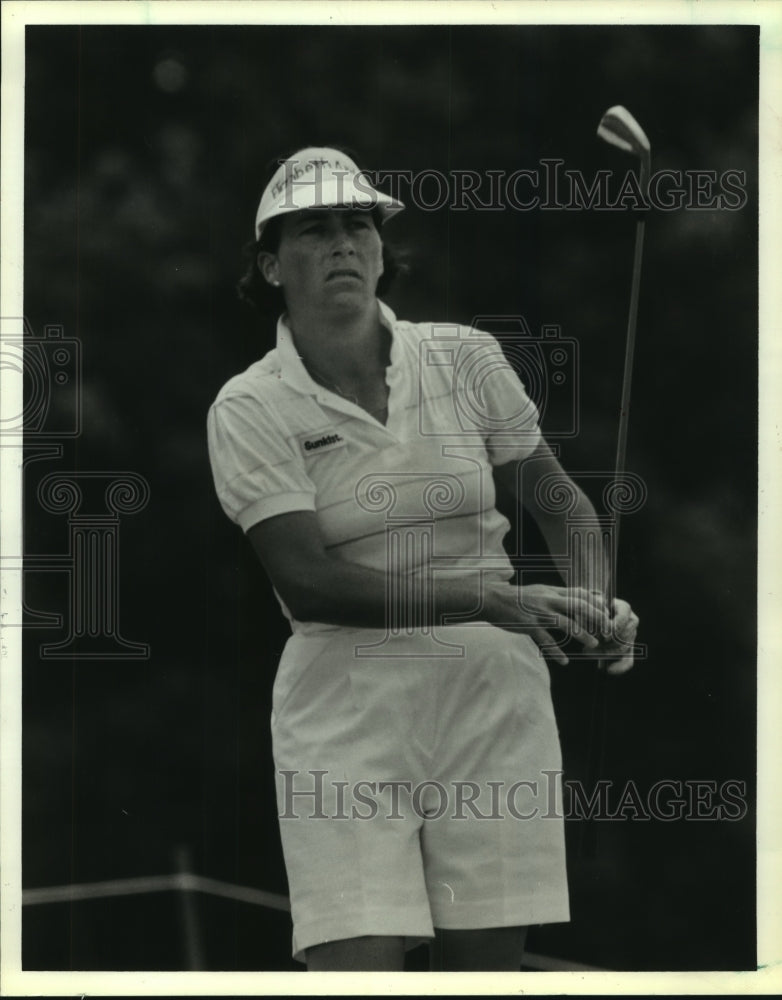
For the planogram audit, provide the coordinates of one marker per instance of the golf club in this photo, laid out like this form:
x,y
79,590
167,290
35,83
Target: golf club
x,y
619,128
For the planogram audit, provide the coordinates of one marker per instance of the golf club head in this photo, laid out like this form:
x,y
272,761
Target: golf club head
x,y
618,127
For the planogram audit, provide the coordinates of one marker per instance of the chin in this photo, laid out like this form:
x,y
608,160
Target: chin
x,y
349,297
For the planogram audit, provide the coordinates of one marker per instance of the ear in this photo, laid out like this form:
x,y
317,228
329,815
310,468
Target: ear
x,y
269,267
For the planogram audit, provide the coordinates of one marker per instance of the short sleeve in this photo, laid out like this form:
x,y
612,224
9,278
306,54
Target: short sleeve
x,y
492,395
257,473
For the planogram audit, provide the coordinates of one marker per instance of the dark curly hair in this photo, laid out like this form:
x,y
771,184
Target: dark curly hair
x,y
253,288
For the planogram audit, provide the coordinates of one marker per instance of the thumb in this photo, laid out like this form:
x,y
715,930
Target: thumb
x,y
620,666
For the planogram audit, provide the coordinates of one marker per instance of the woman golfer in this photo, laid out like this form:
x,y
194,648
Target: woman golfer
x,y
415,746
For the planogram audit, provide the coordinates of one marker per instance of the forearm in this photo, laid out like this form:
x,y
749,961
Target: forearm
x,y
575,543
340,593
573,535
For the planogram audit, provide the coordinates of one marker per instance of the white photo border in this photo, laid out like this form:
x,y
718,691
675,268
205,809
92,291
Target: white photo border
x,y
16,14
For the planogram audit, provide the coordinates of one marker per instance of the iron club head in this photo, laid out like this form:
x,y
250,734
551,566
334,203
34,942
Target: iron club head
x,y
620,129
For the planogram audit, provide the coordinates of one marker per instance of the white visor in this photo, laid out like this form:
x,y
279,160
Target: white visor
x,y
320,178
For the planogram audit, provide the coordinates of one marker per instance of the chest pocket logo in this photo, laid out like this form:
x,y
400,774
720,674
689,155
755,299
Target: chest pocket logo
x,y
320,441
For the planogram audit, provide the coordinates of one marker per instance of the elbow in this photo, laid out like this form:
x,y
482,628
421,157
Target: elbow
x,y
305,604
306,597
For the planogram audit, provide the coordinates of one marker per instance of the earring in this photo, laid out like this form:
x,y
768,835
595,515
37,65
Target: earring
x,y
276,283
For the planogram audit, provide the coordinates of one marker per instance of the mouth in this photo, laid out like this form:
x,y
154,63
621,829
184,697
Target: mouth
x,y
343,272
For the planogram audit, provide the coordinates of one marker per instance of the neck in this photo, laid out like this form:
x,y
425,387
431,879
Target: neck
x,y
350,345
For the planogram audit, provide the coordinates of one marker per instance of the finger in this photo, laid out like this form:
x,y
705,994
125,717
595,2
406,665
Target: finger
x,y
592,596
579,603
621,610
620,666
629,634
586,615
621,622
626,633
588,641
585,592
580,626
545,640
603,604
617,644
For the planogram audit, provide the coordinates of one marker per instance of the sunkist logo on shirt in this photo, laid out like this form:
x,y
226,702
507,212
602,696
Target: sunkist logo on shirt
x,y
316,443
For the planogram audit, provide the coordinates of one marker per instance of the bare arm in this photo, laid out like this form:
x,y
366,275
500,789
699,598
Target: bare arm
x,y
591,573
317,586
522,479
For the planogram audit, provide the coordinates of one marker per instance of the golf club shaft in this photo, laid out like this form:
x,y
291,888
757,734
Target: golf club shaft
x,y
624,411
619,128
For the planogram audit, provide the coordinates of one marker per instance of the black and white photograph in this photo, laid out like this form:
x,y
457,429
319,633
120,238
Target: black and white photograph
x,y
388,477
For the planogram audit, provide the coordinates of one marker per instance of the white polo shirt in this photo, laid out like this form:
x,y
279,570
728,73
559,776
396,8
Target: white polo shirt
x,y
415,493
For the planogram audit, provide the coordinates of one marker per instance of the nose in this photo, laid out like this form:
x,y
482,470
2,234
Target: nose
x,y
343,240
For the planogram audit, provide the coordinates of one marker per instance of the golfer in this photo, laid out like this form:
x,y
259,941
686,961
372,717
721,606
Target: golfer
x,y
416,751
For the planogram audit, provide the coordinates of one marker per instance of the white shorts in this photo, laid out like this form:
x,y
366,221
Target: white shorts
x,y
417,791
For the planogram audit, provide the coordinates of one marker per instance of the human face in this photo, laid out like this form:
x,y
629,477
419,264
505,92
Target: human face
x,y
326,258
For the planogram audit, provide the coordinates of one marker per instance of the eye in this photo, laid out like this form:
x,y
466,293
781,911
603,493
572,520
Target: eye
x,y
359,222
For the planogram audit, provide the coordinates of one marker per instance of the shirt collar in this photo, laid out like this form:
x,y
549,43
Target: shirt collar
x,y
292,367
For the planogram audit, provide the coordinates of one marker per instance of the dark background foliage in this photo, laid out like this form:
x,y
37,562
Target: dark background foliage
x,y
144,152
